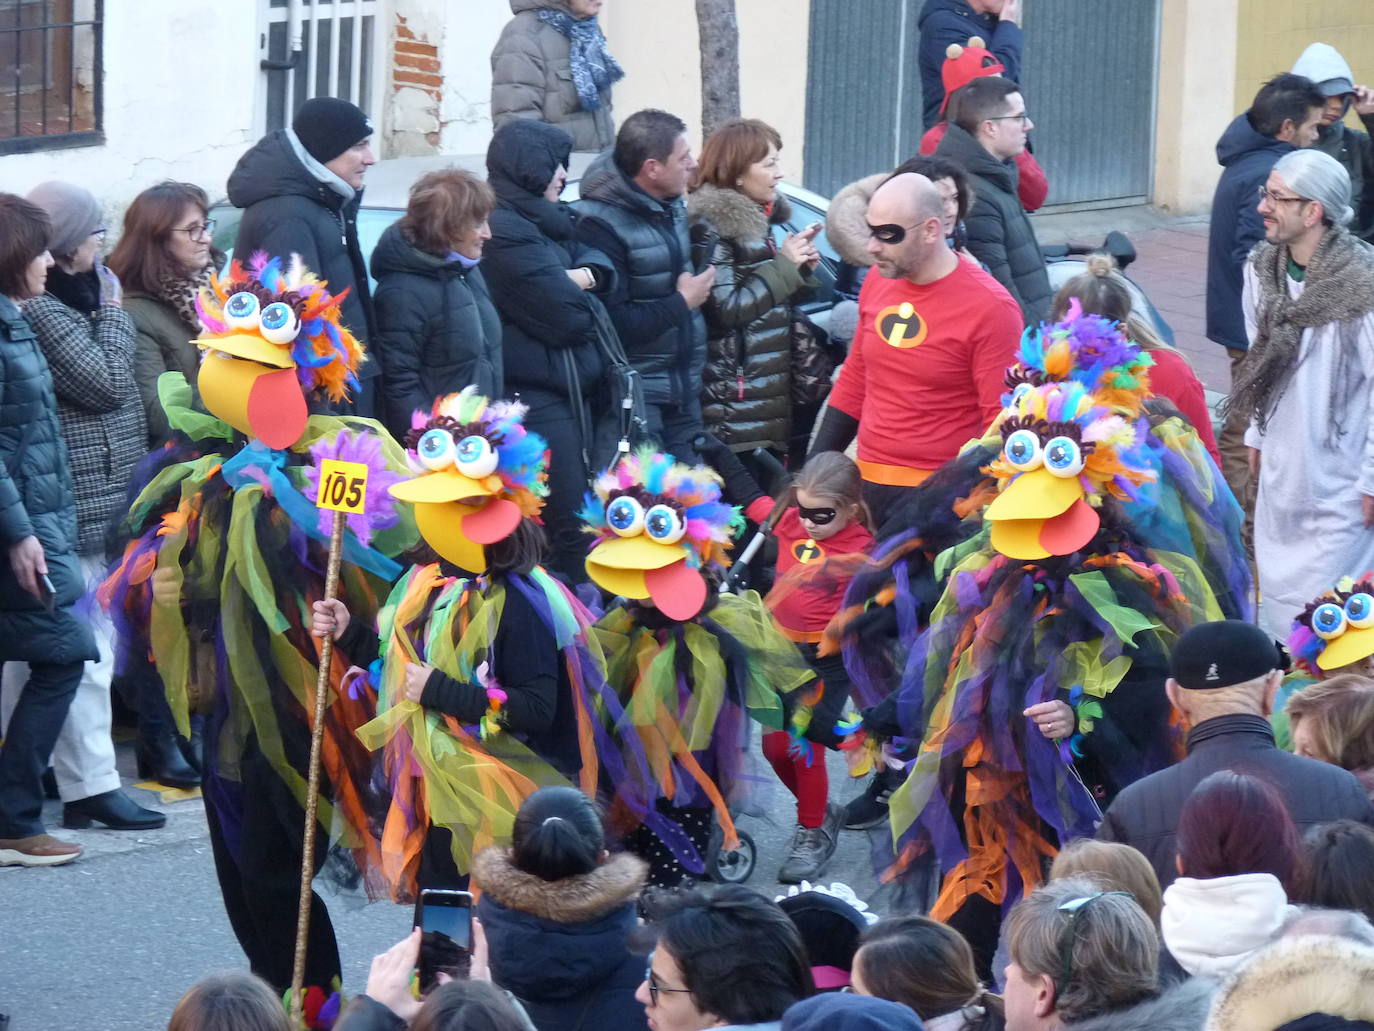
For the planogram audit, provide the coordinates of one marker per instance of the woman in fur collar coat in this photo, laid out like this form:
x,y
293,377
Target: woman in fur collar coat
x,y
746,388
558,911
1303,982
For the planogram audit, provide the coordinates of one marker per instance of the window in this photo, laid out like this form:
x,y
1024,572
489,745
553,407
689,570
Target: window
x,y
50,74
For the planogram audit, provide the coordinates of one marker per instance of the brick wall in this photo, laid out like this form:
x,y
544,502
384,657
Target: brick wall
x,y
417,89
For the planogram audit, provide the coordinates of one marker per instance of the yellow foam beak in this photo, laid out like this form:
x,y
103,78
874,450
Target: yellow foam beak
x,y
1351,646
619,564
1037,494
250,347
1019,539
445,485
441,527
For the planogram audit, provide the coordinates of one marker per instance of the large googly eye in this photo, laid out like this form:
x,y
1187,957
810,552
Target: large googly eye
x,y
1020,391
436,449
625,516
476,457
1063,457
280,323
1359,611
242,311
664,524
1328,621
1023,451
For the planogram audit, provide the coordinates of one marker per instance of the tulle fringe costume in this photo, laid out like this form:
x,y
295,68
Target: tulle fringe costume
x,y
1062,588
479,474
690,667
226,554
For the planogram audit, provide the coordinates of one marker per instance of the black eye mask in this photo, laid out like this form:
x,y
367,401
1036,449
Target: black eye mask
x,y
817,516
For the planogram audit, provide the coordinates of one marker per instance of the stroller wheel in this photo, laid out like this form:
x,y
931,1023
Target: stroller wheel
x,y
725,866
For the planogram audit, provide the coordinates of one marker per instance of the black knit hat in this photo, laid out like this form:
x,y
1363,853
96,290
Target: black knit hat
x,y
328,126
1214,655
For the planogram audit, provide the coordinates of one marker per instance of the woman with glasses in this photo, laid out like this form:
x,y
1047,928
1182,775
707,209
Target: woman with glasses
x,y
88,341
163,259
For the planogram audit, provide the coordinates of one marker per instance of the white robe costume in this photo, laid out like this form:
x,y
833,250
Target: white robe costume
x,y
1309,528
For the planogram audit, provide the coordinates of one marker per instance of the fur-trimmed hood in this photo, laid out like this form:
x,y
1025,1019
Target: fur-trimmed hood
x,y
846,223
1295,977
733,215
1180,1007
572,900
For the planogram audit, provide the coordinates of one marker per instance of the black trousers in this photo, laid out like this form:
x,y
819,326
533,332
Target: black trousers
x,y
33,728
256,833
554,418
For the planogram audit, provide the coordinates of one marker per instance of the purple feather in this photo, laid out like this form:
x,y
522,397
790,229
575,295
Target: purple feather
x,y
379,509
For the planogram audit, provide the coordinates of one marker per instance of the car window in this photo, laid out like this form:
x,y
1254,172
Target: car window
x,y
372,222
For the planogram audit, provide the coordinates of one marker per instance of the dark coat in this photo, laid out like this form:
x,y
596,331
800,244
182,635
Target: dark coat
x,y
163,345
436,328
562,947
1247,158
999,230
944,22
1355,151
647,242
288,210
1145,814
36,500
746,390
548,323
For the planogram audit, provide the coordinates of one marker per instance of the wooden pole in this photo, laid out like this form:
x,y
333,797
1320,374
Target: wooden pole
x,y
331,586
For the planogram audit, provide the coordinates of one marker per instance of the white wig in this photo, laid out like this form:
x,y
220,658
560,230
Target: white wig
x,y
1313,175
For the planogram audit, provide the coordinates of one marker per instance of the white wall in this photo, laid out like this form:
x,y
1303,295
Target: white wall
x,y
180,97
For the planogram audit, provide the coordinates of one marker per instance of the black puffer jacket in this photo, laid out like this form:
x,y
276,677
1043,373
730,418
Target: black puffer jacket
x,y
562,947
999,232
548,322
746,390
647,242
436,326
289,209
35,500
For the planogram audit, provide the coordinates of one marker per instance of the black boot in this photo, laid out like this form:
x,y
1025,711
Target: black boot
x,y
193,748
160,759
114,809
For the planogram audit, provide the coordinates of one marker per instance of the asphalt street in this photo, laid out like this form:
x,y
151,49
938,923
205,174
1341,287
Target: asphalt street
x,y
110,942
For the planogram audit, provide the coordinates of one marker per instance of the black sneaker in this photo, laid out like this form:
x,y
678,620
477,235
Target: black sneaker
x,y
812,848
870,809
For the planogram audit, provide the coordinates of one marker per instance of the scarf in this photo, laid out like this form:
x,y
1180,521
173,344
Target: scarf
x,y
179,290
79,291
593,67
1338,287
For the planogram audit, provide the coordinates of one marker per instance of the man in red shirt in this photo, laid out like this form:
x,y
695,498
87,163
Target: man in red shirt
x,y
935,337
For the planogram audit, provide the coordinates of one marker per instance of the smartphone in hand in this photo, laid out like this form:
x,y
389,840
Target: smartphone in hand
x,y
445,922
47,593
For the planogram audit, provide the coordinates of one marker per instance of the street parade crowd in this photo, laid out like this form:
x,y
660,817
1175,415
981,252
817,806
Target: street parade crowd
x,y
428,567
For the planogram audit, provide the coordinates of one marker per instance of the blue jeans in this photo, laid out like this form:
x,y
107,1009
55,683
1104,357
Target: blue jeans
x,y
33,728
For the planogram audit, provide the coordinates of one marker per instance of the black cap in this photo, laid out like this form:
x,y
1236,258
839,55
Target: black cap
x,y
328,126
1213,655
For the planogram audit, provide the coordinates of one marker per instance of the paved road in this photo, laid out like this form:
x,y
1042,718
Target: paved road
x,y
110,942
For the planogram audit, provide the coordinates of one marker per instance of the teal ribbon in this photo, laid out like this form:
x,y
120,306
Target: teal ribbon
x,y
259,464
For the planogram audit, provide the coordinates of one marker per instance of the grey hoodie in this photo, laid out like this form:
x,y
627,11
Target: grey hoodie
x,y
1324,65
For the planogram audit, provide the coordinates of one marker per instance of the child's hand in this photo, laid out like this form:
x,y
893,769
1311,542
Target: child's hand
x,y
417,675
329,618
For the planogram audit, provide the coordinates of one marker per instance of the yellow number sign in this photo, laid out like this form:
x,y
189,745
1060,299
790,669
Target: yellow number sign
x,y
343,486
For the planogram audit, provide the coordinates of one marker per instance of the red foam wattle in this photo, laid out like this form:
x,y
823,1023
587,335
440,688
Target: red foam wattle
x,y
677,590
1071,530
276,408
494,521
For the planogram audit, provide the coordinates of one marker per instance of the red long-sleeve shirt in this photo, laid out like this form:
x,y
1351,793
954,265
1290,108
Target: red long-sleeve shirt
x,y
923,384
1173,377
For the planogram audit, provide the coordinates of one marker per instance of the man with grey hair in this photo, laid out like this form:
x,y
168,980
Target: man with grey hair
x,y
1089,959
1307,387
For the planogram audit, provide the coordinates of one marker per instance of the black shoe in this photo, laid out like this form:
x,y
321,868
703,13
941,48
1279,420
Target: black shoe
x,y
193,748
160,759
870,808
49,791
114,809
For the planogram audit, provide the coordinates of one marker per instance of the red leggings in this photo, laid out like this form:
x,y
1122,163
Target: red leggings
x,y
803,774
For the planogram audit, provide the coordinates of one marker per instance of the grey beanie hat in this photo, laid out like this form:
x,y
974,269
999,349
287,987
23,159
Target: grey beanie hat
x,y
74,212
1320,177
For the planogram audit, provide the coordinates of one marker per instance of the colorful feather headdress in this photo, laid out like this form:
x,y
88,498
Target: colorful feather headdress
x,y
1336,628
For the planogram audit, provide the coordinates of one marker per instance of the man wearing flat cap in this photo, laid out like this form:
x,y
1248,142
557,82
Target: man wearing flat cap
x,y
1222,682
300,189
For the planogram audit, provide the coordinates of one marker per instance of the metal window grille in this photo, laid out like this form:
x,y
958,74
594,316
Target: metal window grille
x,y
322,48
51,91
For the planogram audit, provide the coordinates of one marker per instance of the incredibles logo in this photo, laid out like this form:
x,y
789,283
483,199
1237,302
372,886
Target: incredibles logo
x,y
900,325
807,551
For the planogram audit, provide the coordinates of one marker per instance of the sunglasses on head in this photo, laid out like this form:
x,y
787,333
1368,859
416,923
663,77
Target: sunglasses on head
x,y
816,516
889,233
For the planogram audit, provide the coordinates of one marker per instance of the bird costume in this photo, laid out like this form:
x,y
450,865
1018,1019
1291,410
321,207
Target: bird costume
x,y
226,554
690,666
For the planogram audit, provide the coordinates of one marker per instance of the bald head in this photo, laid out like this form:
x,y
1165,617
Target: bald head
x,y
905,200
907,235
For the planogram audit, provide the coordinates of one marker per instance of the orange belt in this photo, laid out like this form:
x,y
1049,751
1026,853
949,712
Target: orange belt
x,y
893,475
802,636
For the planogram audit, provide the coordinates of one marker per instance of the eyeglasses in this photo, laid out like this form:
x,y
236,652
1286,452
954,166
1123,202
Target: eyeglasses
x,y
100,232
198,230
816,516
1023,118
889,233
655,987
1075,907
1273,198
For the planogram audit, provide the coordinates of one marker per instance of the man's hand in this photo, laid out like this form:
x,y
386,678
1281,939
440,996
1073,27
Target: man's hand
x,y
388,982
329,618
28,562
696,288
1054,719
417,675
1367,509
1364,100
